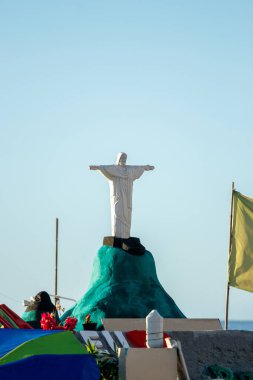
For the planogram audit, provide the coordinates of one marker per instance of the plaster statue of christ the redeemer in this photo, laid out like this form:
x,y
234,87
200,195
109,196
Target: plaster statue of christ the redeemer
x,y
121,177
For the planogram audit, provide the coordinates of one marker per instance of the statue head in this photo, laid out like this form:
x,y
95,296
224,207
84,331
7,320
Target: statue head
x,y
41,301
121,159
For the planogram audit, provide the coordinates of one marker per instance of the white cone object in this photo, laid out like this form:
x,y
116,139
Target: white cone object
x,y
154,330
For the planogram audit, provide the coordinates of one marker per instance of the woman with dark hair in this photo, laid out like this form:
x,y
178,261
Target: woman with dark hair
x,y
39,304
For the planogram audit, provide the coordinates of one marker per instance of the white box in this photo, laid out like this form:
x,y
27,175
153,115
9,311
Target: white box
x,y
147,364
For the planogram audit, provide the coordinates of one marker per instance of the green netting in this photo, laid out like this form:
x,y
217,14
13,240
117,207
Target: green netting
x,y
123,286
244,375
60,343
219,372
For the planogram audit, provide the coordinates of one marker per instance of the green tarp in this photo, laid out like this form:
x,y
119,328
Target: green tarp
x,y
61,343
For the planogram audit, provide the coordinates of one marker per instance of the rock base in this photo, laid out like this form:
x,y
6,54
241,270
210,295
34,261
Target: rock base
x,y
122,286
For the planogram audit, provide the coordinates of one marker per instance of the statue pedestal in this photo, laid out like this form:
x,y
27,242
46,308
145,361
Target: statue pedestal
x,y
122,285
131,245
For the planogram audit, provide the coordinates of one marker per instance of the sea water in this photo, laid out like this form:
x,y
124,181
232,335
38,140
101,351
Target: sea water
x,y
239,325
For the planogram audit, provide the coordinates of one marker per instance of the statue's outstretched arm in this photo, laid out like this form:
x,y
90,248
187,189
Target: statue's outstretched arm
x,y
148,167
108,171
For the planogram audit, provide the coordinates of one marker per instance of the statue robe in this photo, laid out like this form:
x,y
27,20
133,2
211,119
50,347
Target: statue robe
x,y
121,187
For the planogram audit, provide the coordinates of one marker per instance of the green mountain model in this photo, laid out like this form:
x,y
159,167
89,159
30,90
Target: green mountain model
x,y
123,286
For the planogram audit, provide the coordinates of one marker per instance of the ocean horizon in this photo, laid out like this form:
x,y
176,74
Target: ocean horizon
x,y
239,325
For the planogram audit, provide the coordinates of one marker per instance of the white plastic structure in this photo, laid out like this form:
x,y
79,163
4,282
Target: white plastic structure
x,y
121,178
154,330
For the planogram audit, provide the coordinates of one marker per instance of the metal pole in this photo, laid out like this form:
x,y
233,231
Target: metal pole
x,y
60,297
229,250
227,304
56,261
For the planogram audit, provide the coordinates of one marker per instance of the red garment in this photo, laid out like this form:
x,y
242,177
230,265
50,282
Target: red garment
x,y
137,338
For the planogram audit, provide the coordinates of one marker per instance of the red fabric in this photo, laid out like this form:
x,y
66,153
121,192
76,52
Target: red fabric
x,y
5,323
15,318
137,338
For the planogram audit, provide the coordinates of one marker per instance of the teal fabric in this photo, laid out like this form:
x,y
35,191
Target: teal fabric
x,y
123,286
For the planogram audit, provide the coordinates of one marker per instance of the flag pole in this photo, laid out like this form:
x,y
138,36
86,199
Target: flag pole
x,y
56,262
229,250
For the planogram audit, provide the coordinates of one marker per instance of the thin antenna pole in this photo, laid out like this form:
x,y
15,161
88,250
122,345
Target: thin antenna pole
x,y
229,251
56,261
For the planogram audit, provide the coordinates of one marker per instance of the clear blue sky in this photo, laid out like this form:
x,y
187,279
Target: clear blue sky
x,y
168,82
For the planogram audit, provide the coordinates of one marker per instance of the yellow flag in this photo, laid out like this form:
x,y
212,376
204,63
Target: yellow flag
x,y
240,267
